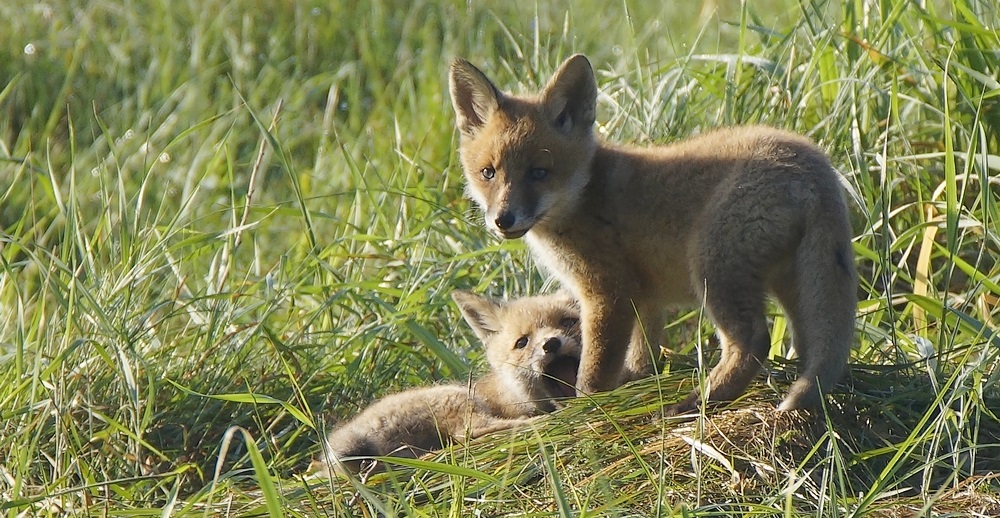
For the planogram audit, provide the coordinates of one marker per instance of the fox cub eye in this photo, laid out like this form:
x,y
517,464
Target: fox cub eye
x,y
569,322
488,173
538,173
521,343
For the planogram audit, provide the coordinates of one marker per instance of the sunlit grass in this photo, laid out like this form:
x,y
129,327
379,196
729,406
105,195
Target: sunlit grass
x,y
225,226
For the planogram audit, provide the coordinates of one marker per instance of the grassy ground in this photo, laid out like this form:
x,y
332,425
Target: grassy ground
x,y
225,225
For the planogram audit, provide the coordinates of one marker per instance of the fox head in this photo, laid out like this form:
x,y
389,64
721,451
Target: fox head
x,y
526,158
532,343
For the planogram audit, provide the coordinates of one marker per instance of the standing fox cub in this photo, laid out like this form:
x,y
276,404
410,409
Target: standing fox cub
x,y
533,348
722,218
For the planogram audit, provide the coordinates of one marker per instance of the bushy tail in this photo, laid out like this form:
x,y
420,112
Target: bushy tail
x,y
821,302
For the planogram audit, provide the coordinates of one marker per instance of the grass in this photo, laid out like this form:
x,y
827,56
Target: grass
x,y
226,225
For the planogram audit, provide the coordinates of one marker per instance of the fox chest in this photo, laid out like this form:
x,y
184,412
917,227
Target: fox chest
x,y
556,260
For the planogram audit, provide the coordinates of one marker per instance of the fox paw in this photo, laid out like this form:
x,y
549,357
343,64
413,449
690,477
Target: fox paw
x,y
678,409
688,405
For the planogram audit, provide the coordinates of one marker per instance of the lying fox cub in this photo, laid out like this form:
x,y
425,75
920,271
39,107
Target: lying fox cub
x,y
719,219
533,348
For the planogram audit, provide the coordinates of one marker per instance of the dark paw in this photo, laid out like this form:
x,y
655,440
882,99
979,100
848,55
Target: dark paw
x,y
690,405
679,409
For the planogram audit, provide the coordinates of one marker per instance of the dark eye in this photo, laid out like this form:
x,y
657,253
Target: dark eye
x,y
569,322
488,173
521,343
538,173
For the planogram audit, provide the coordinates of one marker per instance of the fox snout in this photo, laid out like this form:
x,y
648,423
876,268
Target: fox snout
x,y
552,345
509,224
505,220
509,211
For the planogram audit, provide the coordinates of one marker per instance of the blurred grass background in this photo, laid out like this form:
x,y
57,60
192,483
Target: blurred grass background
x,y
248,214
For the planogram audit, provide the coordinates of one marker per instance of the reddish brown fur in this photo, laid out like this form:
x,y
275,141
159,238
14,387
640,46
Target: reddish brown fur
x,y
722,218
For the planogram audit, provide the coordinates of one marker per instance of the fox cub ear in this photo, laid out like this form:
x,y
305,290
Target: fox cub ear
x,y
482,313
570,98
473,95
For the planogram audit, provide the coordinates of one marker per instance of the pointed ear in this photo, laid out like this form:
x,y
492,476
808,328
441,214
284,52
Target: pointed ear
x,y
570,98
473,95
482,313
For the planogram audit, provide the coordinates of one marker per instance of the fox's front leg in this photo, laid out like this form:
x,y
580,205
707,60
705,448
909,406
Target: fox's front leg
x,y
647,339
607,324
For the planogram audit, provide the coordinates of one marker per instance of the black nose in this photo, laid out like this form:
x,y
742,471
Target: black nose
x,y
505,220
552,345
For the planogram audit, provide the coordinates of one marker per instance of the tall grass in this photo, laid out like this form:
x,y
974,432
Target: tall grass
x,y
226,225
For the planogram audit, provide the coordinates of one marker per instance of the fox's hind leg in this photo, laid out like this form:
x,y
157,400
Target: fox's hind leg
x,y
736,305
749,233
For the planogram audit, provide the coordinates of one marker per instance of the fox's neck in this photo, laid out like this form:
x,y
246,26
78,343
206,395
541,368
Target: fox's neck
x,y
607,159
